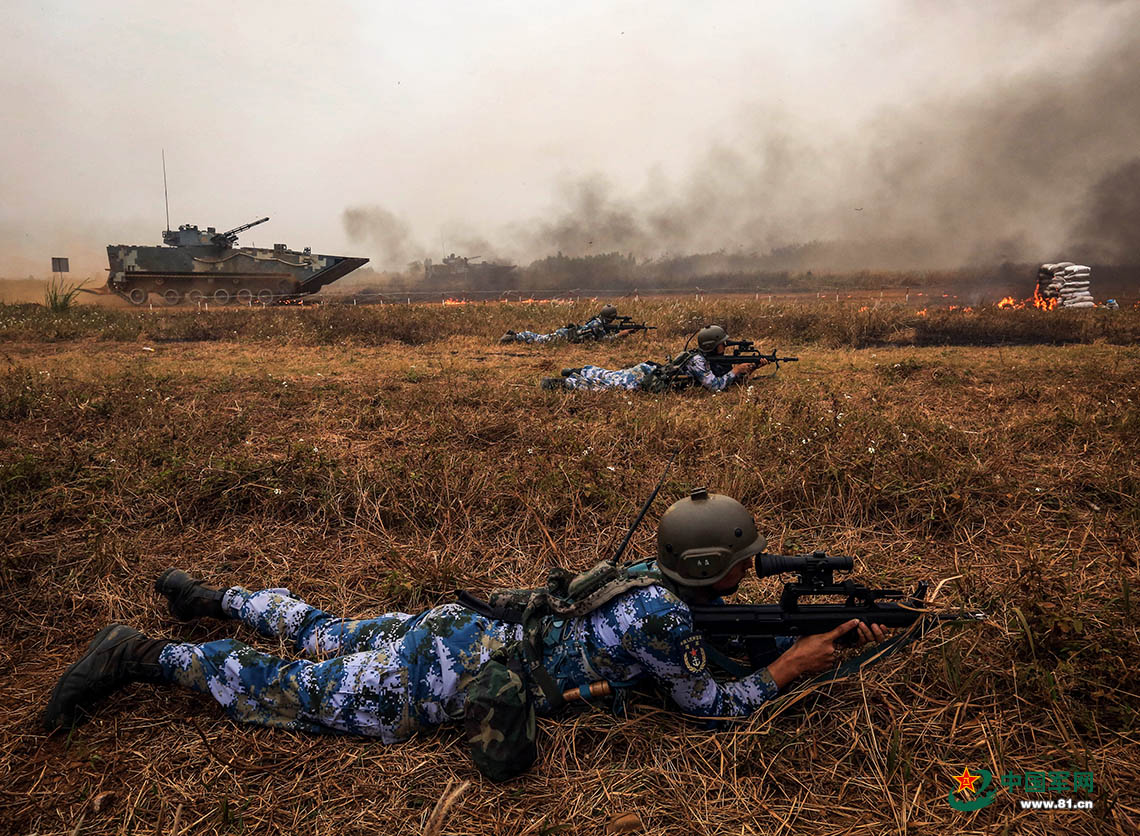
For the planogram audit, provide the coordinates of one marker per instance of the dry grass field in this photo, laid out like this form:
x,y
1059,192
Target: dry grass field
x,y
377,459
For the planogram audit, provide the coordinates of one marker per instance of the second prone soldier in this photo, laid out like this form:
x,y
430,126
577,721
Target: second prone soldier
x,y
599,327
688,368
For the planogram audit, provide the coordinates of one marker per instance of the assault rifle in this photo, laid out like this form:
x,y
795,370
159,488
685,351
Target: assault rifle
x,y
758,624
744,351
626,323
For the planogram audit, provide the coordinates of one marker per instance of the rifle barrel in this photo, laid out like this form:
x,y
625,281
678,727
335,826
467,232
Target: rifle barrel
x,y
764,620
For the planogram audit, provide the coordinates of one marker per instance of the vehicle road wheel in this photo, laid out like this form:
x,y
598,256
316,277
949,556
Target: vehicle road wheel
x,y
265,296
171,296
195,296
137,296
222,296
245,295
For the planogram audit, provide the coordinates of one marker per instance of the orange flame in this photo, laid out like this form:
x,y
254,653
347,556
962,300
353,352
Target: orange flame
x,y
1043,303
1009,302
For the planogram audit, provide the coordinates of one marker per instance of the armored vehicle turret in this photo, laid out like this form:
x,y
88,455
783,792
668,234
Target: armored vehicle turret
x,y
206,265
457,270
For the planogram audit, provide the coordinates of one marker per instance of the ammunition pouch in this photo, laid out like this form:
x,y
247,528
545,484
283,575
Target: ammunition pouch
x,y
499,718
670,376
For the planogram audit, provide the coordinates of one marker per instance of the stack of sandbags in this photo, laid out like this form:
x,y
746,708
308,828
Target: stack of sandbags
x,y
1066,282
1074,289
1050,279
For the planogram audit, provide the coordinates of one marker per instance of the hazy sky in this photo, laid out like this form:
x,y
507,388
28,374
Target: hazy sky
x,y
531,126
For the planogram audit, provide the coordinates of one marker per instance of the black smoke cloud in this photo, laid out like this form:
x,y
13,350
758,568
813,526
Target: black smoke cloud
x,y
1108,230
1023,169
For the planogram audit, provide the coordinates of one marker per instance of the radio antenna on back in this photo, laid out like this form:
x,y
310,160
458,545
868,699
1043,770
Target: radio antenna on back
x,y
641,514
165,193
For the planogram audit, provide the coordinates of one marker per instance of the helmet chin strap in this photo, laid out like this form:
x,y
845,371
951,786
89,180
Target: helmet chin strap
x,y
723,593
702,594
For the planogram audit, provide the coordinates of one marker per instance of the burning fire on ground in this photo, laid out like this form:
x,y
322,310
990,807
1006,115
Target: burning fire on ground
x,y
450,301
1038,301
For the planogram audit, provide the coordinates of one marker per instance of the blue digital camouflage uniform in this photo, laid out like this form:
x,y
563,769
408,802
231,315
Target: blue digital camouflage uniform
x,y
393,675
597,378
593,329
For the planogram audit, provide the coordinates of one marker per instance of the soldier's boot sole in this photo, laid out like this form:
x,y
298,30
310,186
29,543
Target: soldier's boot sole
x,y
189,598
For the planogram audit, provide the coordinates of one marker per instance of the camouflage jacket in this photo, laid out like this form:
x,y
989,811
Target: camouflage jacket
x,y
698,369
648,633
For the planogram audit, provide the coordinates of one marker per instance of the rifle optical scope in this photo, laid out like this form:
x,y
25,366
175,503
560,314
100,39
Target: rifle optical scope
x,y
768,565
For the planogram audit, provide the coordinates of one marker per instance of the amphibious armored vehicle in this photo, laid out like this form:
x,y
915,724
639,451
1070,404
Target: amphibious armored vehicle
x,y
457,269
206,265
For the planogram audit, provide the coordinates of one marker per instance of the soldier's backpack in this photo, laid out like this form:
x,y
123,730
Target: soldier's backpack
x,y
499,718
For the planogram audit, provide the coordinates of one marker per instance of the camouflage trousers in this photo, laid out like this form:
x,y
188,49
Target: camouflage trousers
x,y
597,378
387,677
534,337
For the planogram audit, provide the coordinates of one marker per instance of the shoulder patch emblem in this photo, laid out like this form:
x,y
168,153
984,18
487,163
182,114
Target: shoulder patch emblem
x,y
693,654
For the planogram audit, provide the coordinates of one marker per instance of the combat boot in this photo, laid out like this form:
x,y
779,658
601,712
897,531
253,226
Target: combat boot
x,y
571,372
508,337
190,598
116,657
553,383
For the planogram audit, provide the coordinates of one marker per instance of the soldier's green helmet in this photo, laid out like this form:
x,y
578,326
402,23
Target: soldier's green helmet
x,y
709,337
608,312
703,536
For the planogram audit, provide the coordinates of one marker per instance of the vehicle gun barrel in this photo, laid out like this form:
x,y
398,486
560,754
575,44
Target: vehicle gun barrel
x,y
229,237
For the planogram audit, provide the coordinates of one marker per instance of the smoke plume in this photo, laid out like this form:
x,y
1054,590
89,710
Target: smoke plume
x,y
1108,230
997,175
387,237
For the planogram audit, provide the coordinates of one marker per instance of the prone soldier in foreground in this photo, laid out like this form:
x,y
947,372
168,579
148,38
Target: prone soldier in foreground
x,y
607,325
491,664
708,366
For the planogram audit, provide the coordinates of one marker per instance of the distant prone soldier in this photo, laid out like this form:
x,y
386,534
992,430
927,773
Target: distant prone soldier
x,y
607,325
707,366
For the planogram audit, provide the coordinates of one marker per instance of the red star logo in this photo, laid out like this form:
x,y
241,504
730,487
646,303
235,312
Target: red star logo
x,y
966,781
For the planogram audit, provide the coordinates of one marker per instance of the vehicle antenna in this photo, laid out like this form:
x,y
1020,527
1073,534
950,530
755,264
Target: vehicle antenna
x,y
165,193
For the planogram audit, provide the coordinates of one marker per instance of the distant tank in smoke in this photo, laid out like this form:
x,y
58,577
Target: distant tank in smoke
x,y
457,269
205,265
